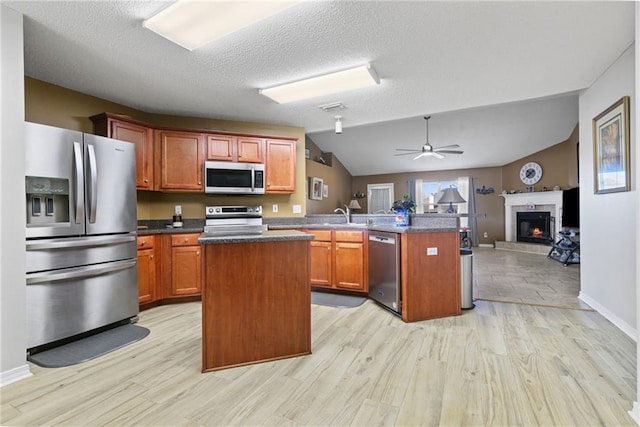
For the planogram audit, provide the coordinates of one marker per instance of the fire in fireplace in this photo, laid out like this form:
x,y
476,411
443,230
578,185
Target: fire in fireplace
x,y
534,227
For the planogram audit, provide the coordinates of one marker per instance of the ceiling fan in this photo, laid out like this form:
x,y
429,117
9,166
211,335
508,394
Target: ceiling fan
x,y
428,150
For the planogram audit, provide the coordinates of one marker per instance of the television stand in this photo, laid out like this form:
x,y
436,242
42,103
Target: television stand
x,y
566,250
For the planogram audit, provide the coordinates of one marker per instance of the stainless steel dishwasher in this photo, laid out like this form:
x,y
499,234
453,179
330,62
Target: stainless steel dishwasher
x,y
384,270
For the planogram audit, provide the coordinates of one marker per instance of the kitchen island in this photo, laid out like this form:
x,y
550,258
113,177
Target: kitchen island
x,y
256,298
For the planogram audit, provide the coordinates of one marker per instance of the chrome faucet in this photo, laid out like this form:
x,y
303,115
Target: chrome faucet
x,y
346,213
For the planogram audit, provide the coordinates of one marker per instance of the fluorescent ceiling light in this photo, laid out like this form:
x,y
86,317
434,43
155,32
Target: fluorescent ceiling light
x,y
192,23
354,78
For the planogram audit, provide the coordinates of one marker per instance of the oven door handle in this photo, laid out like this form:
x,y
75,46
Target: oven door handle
x,y
79,272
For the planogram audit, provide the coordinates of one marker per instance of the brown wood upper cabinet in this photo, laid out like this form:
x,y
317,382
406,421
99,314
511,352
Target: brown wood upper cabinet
x,y
126,129
181,160
280,166
235,148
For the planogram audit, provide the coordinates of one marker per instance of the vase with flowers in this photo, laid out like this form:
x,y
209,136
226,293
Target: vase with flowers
x,y
402,208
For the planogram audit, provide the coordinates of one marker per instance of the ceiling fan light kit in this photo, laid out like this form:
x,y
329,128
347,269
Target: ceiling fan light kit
x,y
338,125
428,150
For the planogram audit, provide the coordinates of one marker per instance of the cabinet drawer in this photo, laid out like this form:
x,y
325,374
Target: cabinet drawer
x,y
145,242
349,236
324,235
184,239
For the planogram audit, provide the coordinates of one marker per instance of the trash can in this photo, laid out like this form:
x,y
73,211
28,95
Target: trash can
x,y
466,278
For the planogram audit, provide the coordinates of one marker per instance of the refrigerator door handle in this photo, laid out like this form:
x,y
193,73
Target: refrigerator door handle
x,y
80,272
77,152
33,245
93,183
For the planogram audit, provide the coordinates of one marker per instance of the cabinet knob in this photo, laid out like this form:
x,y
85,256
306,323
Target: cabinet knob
x,y
142,243
199,182
186,240
151,257
146,180
198,253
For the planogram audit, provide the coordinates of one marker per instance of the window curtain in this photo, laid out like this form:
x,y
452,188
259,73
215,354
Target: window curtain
x,y
415,192
472,220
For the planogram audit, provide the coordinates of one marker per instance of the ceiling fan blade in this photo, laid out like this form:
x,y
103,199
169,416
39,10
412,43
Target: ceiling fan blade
x,y
408,149
438,155
421,155
449,151
447,147
404,154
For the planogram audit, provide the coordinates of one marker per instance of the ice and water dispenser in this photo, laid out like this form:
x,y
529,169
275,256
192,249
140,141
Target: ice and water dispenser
x,y
47,201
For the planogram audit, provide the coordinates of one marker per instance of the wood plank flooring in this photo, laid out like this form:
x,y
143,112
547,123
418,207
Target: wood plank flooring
x,y
499,364
510,276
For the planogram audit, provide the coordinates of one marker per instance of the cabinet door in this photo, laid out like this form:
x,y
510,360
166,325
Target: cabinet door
x,y
181,160
250,150
146,276
186,270
349,266
221,147
280,166
321,263
142,138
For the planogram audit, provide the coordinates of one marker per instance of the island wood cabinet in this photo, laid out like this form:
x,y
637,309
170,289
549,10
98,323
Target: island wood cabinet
x,y
339,259
430,283
235,148
181,160
280,166
126,129
147,279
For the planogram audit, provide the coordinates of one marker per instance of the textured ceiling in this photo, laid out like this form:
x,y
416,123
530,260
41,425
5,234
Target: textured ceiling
x,y
499,78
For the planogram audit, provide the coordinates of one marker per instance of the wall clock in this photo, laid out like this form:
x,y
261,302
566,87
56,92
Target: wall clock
x,y
530,173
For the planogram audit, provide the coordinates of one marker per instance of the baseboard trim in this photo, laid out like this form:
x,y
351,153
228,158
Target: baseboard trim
x,y
486,245
630,331
635,413
14,375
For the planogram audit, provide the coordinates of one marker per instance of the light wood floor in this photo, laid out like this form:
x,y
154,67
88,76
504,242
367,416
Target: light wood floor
x,y
509,276
499,364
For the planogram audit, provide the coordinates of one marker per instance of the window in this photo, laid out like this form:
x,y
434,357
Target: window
x,y
380,198
431,191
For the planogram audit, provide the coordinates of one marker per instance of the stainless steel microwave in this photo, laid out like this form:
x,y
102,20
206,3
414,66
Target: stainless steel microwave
x,y
233,178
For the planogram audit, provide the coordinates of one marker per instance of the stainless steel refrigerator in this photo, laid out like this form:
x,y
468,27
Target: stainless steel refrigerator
x,y
81,234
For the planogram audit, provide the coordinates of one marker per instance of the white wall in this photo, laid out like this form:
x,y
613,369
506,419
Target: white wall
x,y
13,341
608,221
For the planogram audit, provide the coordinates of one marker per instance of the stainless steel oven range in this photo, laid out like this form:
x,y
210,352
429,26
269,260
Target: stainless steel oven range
x,y
233,220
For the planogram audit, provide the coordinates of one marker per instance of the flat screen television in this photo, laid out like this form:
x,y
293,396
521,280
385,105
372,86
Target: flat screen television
x,y
571,208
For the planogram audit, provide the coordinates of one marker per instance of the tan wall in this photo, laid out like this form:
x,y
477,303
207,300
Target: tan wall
x,y
559,167
56,106
333,174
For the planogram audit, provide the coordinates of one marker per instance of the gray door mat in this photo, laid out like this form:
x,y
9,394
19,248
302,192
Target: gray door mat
x,y
336,300
90,347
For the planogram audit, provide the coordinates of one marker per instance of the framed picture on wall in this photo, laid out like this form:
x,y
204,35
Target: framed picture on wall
x,y
315,188
611,148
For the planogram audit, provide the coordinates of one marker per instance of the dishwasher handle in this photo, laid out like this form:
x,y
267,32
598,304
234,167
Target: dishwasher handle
x,y
382,239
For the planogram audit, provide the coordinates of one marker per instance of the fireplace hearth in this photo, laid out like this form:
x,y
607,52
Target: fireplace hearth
x,y
534,227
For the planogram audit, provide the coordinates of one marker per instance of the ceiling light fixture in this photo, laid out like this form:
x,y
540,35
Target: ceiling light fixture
x,y
341,81
192,23
338,124
333,106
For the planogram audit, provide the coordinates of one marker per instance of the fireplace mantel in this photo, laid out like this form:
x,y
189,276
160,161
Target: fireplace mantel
x,y
552,200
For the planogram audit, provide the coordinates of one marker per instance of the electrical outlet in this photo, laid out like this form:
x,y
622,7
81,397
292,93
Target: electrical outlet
x,y
486,235
178,210
274,208
432,251
297,209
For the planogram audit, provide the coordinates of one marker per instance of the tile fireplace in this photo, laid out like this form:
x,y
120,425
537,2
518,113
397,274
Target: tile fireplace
x,y
540,201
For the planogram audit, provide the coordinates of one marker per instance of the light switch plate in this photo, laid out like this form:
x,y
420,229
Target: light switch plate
x,y
432,251
274,208
297,209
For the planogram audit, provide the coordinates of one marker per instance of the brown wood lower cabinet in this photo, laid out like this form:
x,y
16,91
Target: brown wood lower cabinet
x,y
169,269
147,280
339,259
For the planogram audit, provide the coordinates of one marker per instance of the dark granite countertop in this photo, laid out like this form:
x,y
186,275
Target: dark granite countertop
x,y
266,236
